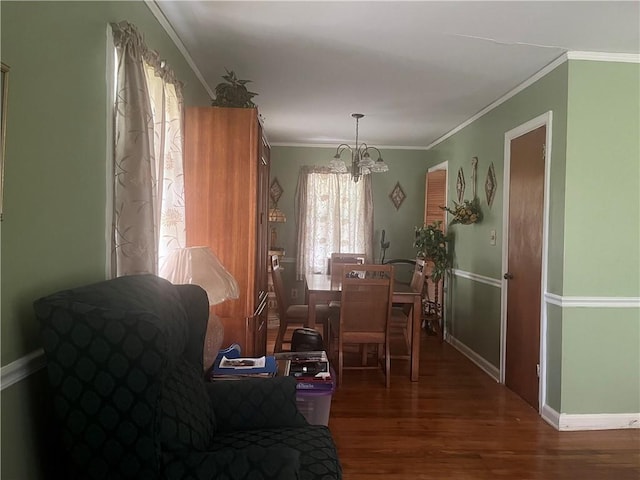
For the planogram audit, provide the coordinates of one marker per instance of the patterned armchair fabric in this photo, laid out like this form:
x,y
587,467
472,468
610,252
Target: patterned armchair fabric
x,y
124,359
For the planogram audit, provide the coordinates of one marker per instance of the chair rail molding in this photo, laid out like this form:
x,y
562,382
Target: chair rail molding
x,y
560,300
477,278
22,368
592,302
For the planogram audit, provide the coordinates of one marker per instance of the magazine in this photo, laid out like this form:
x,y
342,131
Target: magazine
x,y
242,363
237,368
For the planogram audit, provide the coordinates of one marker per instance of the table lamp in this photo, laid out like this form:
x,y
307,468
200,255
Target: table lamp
x,y
200,266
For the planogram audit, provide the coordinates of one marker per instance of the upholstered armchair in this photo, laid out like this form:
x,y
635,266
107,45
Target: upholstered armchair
x,y
124,361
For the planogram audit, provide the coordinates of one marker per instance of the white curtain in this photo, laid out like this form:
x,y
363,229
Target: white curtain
x,y
333,214
148,209
165,94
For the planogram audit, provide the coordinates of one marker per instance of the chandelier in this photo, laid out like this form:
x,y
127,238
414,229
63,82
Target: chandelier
x,y
361,161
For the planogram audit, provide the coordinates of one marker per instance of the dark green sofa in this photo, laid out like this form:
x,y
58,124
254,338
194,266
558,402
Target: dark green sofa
x,y
124,360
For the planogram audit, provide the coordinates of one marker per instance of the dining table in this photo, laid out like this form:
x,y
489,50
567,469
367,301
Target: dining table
x,y
320,288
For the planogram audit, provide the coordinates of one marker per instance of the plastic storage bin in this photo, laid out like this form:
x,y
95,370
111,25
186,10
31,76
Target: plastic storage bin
x,y
315,405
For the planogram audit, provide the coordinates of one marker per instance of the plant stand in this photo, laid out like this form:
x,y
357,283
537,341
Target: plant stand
x,y
432,309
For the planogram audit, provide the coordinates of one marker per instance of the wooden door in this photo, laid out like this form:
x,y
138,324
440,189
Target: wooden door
x,y
524,270
435,197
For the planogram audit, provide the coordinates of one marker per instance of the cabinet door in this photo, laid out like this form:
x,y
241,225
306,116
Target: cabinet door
x,y
221,187
262,282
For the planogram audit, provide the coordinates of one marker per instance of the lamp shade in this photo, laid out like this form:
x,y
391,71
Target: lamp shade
x,y
276,215
200,266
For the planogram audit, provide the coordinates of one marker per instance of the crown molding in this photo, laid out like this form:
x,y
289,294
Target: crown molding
x,y
529,81
334,145
162,20
604,56
570,55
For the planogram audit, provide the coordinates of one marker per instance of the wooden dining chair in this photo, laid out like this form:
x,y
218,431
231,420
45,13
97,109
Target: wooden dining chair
x,y
335,268
292,314
363,318
401,316
342,258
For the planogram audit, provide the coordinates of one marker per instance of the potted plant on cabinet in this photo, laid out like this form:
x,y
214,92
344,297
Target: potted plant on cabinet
x,y
431,243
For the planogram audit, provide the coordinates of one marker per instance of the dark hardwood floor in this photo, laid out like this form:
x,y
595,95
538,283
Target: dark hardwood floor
x,y
458,423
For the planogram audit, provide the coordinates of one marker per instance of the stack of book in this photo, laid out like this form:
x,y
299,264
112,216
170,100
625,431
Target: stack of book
x,y
237,368
311,369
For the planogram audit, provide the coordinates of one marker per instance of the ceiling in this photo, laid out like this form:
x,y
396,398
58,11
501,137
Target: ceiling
x,y
416,70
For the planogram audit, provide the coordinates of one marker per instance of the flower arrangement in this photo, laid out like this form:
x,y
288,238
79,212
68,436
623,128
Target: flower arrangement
x,y
465,213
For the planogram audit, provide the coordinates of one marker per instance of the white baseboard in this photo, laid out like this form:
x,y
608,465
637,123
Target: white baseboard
x,y
550,416
568,422
559,421
598,421
485,366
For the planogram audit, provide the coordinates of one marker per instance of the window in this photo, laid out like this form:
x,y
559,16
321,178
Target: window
x,y
335,214
148,192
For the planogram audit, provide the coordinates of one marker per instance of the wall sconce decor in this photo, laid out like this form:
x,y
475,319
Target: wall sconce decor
x,y
460,185
466,212
275,214
397,196
490,185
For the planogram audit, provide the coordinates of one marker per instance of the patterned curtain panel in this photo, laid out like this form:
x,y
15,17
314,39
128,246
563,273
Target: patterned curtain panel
x,y
148,209
334,214
165,94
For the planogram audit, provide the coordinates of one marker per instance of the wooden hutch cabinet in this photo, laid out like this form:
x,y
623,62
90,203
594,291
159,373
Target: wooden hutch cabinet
x,y
226,170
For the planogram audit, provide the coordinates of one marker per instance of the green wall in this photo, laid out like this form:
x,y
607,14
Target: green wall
x,y
54,234
484,138
474,309
408,167
601,346
603,180
593,238
600,360
54,228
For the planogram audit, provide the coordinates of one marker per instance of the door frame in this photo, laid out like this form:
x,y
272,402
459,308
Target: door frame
x,y
445,284
542,120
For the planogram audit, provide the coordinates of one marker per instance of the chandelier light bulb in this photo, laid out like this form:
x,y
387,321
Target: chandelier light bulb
x,y
361,161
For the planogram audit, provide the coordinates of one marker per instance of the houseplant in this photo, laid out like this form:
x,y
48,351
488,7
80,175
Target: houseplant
x,y
431,244
233,92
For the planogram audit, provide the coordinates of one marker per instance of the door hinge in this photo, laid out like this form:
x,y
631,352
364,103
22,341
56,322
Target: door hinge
x,y
544,150
538,370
